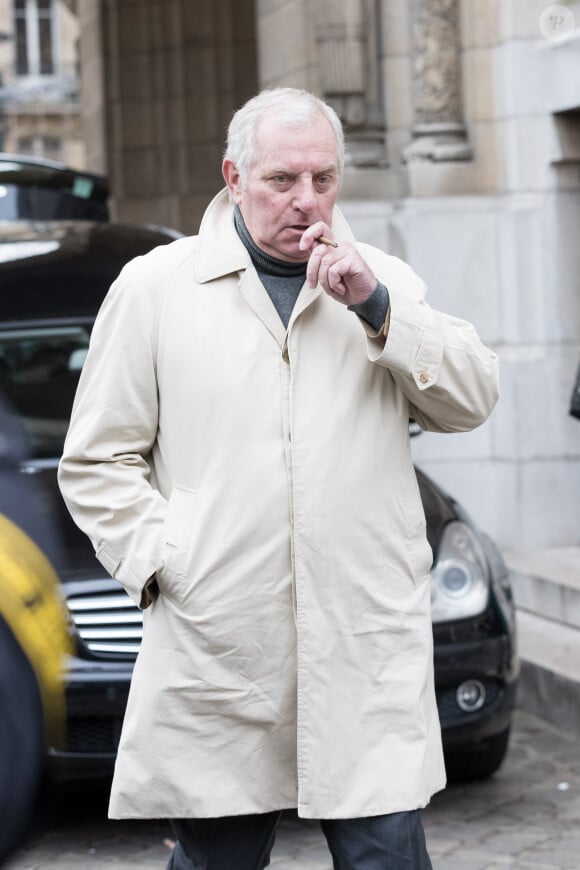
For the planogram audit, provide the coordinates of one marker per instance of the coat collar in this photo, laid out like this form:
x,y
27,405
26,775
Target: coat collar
x,y
221,250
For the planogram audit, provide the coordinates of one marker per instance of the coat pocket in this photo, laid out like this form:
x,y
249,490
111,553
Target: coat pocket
x,y
176,536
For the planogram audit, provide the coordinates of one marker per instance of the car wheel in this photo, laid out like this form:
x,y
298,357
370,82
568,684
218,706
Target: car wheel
x,y
477,761
21,742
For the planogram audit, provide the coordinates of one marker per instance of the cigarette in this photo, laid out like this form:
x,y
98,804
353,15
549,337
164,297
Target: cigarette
x,y
324,241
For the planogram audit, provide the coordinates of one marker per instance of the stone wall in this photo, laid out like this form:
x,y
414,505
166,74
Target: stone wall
x,y
162,78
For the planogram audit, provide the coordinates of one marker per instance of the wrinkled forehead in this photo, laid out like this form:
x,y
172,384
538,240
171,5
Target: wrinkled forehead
x,y
276,133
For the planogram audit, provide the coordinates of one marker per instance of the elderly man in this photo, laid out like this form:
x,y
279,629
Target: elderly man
x,y
239,455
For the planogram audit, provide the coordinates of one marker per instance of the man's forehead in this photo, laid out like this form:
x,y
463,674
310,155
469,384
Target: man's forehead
x,y
278,127
276,137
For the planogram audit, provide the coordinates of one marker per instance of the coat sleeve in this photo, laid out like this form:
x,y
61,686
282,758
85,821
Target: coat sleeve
x,y
104,473
450,378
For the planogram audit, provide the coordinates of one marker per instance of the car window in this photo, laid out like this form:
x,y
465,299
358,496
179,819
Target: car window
x,y
36,189
39,372
33,202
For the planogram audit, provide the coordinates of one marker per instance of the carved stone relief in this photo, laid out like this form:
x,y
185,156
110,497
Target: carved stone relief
x,y
438,131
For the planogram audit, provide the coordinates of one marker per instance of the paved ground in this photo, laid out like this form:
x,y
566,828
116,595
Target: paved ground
x,y
526,817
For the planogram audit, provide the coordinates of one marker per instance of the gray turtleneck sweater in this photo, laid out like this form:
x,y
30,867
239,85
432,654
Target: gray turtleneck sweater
x,y
283,282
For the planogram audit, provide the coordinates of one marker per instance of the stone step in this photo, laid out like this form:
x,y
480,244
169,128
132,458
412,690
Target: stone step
x,y
549,645
546,586
547,582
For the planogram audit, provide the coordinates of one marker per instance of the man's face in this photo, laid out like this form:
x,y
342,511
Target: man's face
x,y
293,182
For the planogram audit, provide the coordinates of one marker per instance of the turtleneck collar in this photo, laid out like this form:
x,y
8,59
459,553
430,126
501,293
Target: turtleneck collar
x,y
261,260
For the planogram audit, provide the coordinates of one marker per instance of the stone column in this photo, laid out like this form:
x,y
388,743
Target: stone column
x,y
438,131
348,62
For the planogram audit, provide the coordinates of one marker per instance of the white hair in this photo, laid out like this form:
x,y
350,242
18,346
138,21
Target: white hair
x,y
292,108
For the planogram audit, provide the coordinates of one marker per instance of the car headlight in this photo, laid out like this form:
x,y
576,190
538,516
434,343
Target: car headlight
x,y
459,578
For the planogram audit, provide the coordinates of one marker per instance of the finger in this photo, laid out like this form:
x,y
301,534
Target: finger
x,y
315,269
333,285
327,264
322,275
311,235
339,269
339,289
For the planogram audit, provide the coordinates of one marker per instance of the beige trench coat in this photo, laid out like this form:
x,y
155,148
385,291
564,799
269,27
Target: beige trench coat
x,y
265,477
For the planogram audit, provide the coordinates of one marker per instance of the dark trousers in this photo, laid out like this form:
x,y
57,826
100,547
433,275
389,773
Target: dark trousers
x,y
390,842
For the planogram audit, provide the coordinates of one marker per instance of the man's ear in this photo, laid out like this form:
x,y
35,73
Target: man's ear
x,y
233,180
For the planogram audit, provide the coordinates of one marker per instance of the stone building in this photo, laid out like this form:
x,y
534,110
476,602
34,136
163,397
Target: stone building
x,y
39,81
463,125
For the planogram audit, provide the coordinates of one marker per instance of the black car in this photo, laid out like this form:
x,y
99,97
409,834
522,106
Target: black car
x,y
33,188
53,281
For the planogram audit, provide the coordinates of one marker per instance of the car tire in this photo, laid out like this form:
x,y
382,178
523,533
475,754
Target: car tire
x,y
478,761
21,743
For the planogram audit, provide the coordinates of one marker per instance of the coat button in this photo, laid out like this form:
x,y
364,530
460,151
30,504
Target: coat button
x,y
286,355
424,378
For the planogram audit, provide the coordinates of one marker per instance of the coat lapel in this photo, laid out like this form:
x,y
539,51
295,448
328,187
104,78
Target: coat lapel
x,y
259,301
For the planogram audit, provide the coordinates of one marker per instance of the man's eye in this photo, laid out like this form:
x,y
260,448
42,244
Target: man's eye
x,y
324,180
281,179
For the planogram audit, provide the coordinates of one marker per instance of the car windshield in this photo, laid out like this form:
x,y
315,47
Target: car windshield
x,y
39,372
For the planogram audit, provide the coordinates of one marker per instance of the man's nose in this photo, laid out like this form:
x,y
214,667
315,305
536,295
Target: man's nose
x,y
304,195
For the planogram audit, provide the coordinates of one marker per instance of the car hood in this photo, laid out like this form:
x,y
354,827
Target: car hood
x,y
66,266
